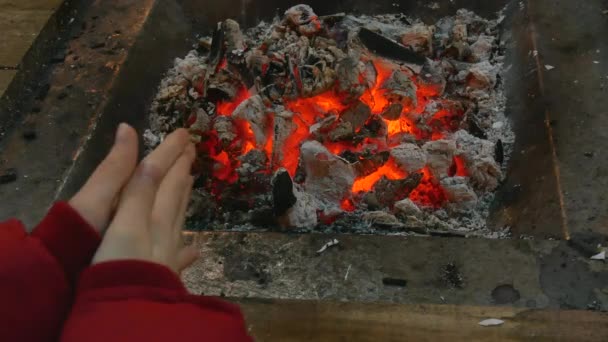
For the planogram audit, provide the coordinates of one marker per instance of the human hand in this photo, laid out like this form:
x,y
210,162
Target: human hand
x,y
96,200
152,208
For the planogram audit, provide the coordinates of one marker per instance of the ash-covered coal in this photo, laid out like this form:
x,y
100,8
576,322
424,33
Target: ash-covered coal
x,y
342,123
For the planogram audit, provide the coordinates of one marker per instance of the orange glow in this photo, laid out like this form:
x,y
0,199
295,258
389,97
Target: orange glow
x,y
317,106
347,205
309,111
245,133
458,167
374,97
225,108
222,168
428,193
399,126
389,169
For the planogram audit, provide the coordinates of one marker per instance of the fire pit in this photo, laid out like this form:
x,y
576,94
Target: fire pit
x,y
342,123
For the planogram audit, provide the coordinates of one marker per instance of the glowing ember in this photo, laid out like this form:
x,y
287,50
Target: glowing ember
x,y
390,170
428,193
311,110
226,108
341,120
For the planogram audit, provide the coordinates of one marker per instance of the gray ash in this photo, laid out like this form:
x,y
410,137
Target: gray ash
x,y
368,124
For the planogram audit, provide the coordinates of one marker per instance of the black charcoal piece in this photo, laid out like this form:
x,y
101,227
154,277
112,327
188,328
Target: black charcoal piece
x,y
282,193
388,48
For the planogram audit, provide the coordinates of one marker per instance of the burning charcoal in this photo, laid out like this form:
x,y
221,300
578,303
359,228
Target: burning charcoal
x,y
282,192
235,42
351,84
482,48
328,177
408,208
385,47
320,129
440,154
419,38
254,111
374,127
202,122
478,155
389,191
392,112
400,89
481,76
223,85
368,163
303,19
341,132
225,129
382,219
459,192
371,74
409,157
356,115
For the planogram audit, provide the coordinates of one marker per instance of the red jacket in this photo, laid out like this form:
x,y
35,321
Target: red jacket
x,y
114,301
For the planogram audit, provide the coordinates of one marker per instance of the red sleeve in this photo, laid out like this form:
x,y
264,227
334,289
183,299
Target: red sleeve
x,y
36,273
140,301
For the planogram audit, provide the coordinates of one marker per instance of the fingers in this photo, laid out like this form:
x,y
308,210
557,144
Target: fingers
x,y
94,202
171,194
180,218
138,197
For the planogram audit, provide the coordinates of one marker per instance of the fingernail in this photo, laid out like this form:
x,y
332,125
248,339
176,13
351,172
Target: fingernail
x,y
121,132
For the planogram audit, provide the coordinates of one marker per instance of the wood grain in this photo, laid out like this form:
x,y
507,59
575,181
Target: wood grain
x,y
291,320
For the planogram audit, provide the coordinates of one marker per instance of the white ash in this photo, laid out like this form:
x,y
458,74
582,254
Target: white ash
x,y
459,192
254,111
304,213
408,208
328,177
440,156
477,67
409,157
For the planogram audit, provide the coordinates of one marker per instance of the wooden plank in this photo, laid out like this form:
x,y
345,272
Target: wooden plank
x,y
19,30
291,320
29,4
6,76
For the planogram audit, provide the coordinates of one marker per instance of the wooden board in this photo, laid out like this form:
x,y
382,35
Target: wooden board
x,y
291,320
